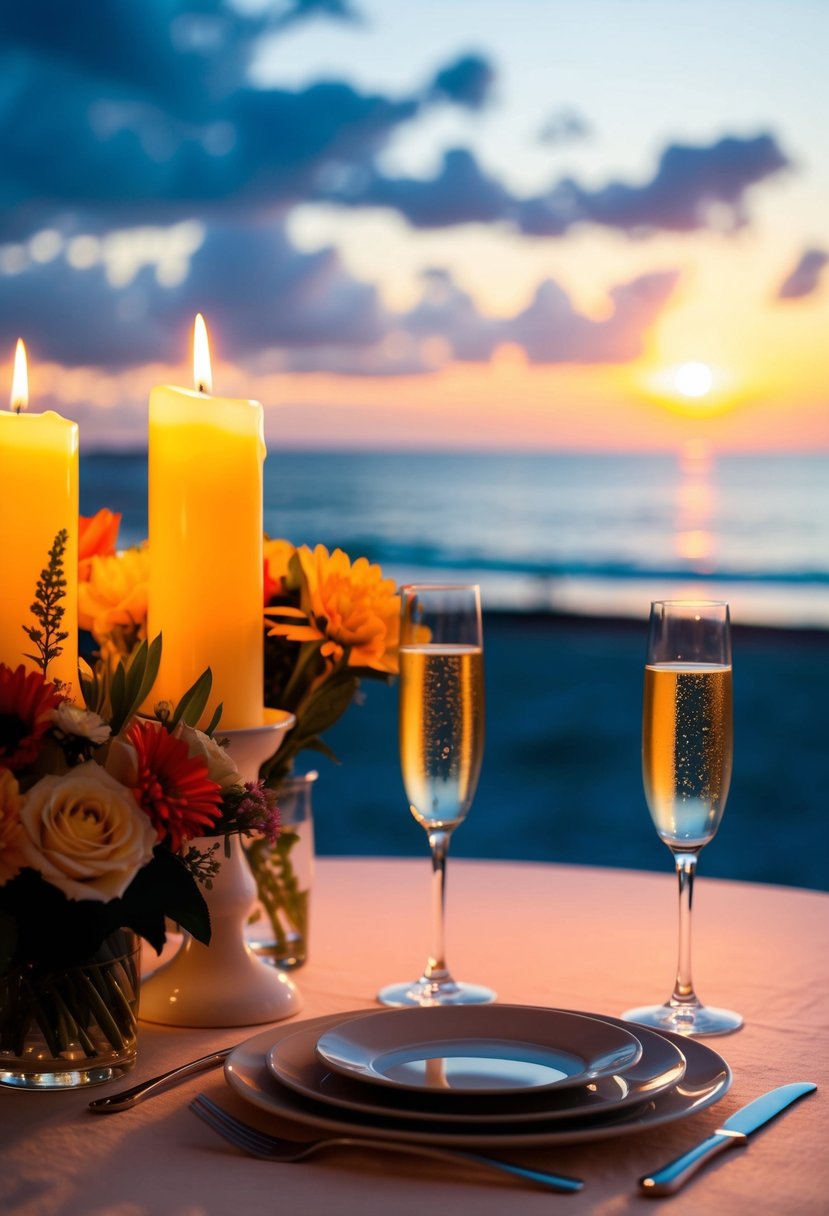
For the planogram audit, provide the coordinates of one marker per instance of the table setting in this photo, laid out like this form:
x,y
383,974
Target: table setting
x,y
139,820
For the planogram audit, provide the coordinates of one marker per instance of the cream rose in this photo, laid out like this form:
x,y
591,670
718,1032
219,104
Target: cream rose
x,y
220,766
85,833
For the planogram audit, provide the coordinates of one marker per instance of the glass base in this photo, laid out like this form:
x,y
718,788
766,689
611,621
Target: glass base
x,y
287,955
425,992
63,1076
692,1019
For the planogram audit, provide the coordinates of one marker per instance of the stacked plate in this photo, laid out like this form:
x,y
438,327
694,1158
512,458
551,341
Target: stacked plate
x,y
476,1077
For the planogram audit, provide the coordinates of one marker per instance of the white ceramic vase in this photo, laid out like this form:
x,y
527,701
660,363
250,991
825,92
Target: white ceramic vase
x,y
225,984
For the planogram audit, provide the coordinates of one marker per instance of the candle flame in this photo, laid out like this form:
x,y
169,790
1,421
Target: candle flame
x,y
20,379
202,374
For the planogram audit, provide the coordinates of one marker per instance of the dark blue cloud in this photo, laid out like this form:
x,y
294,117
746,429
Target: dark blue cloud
x,y
468,82
693,188
804,279
144,113
460,193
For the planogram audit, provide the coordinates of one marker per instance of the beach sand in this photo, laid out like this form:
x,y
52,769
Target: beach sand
x,y
561,778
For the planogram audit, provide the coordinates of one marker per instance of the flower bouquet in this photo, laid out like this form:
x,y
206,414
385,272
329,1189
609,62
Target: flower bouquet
x,y
99,807
328,624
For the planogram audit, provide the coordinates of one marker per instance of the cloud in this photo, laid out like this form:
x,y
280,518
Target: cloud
x,y
299,311
467,82
804,279
551,331
254,286
565,126
460,193
693,188
148,115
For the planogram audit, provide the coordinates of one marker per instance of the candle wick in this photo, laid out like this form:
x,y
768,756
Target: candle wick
x,y
201,387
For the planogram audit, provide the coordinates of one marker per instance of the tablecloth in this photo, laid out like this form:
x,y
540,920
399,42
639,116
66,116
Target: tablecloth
x,y
580,938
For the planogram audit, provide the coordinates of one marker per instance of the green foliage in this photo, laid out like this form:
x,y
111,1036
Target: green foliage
x,y
48,609
194,702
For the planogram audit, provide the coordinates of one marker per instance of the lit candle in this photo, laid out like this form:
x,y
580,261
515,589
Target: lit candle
x,y
38,499
205,528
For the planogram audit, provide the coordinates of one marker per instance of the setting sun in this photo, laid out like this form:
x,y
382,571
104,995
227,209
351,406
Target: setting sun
x,y
694,379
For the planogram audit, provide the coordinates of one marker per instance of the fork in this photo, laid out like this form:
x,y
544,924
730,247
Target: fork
x,y
273,1148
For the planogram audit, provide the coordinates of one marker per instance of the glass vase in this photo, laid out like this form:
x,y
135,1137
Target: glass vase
x,y
278,929
71,1026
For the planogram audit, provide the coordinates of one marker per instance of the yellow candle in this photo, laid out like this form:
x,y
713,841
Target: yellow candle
x,y
206,457
38,499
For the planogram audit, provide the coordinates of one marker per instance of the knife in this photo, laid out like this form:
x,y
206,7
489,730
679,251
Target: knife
x,y
736,1130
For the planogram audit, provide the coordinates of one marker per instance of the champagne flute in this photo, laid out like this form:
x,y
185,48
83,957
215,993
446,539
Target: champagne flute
x,y
687,746
441,730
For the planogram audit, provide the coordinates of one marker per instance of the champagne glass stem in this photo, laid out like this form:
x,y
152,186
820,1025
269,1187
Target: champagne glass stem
x,y
436,968
686,866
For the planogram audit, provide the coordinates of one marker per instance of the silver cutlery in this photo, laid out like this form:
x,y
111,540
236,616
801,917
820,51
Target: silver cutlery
x,y
131,1097
272,1148
735,1131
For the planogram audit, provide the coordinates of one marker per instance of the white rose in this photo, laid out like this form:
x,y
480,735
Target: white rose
x,y
85,833
220,767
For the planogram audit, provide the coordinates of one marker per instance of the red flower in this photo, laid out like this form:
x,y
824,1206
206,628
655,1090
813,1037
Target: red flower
x,y
172,786
27,702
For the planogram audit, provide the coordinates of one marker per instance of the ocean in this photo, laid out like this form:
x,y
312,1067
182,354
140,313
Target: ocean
x,y
569,550
582,534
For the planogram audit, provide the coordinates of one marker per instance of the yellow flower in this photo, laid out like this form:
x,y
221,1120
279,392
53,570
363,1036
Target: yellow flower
x,y
352,609
11,858
112,603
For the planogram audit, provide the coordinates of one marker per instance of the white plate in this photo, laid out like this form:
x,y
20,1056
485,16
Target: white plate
x,y
480,1049
293,1061
707,1079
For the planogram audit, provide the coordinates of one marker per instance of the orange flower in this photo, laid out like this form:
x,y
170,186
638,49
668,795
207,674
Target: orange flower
x,y
97,537
171,786
278,554
112,603
351,609
27,704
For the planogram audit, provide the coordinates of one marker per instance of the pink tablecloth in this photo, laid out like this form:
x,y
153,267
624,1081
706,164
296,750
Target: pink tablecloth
x,y
589,939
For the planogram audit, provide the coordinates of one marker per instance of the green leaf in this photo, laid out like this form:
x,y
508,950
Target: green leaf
x,y
192,705
164,887
143,669
118,698
150,670
214,721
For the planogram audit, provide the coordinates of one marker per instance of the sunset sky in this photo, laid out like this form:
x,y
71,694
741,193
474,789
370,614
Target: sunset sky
x,y
451,223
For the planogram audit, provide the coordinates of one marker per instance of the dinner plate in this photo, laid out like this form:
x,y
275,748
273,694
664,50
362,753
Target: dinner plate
x,y
293,1061
707,1079
481,1049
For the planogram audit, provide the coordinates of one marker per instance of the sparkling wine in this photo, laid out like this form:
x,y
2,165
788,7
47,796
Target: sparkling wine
x,y
441,730
687,744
